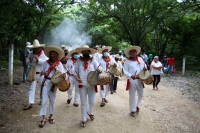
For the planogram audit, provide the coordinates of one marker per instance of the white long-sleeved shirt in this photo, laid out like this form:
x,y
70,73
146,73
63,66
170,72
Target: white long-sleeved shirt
x,y
70,68
79,69
41,59
46,66
103,63
133,67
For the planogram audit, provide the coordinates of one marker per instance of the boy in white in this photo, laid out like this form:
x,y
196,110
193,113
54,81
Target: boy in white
x,y
156,71
35,58
105,62
132,66
49,68
73,83
83,66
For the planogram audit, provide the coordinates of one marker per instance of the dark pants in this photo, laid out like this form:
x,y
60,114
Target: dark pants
x,y
25,72
156,80
115,79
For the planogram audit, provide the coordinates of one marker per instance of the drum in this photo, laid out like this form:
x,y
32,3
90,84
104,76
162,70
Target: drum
x,y
62,84
146,77
98,79
114,70
57,78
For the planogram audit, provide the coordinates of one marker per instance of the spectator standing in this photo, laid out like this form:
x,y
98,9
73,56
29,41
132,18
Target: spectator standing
x,y
164,61
170,62
25,53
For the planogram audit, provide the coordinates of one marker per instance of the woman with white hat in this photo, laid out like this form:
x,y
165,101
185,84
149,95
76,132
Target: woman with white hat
x,y
73,58
48,89
156,68
83,66
36,58
132,66
106,61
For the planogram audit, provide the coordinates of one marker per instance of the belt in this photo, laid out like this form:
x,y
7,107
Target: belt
x,y
37,72
47,78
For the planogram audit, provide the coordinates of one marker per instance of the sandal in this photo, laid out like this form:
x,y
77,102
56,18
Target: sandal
x,y
42,123
132,114
51,121
27,107
137,109
106,100
102,104
91,116
83,123
69,101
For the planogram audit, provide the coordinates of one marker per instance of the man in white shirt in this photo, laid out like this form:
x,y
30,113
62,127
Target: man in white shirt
x,y
132,66
35,58
106,61
83,66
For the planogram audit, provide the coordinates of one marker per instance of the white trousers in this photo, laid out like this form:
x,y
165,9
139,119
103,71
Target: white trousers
x,y
87,96
133,100
48,94
33,85
105,92
76,95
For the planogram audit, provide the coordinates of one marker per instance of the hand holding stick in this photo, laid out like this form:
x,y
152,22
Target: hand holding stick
x,y
95,71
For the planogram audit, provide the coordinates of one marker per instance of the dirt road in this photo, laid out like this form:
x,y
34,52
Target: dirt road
x,y
165,110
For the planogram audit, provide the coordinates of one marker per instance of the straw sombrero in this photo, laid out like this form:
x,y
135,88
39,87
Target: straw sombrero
x,y
36,44
137,48
85,47
49,48
117,56
104,48
71,53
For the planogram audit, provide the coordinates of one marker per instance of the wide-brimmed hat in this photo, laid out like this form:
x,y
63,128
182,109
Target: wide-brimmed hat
x,y
85,47
28,44
104,48
71,53
36,44
117,56
137,48
58,50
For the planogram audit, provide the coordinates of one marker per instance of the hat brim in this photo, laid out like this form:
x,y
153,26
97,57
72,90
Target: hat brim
x,y
137,48
92,51
31,46
104,48
71,53
58,50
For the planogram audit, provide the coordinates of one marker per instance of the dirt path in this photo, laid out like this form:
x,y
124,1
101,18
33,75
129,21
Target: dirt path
x,y
165,110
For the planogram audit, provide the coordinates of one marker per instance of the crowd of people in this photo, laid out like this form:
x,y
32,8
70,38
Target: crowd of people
x,y
75,65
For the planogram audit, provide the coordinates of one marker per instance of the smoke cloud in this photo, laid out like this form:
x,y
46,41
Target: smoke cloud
x,y
71,35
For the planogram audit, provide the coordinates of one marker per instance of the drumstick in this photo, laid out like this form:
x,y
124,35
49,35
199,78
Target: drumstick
x,y
95,71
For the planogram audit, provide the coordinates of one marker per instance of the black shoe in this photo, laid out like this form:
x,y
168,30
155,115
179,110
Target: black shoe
x,y
69,101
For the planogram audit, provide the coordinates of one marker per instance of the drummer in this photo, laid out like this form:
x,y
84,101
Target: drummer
x,y
73,57
83,66
106,61
48,89
132,66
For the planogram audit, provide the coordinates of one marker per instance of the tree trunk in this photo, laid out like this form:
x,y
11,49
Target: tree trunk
x,y
10,66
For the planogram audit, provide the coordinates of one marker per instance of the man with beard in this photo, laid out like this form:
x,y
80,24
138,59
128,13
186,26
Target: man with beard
x,y
35,58
83,66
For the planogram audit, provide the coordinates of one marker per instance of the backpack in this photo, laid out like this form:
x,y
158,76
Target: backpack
x,y
21,57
